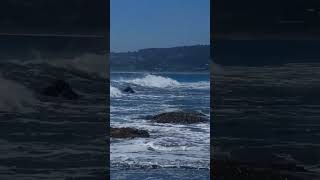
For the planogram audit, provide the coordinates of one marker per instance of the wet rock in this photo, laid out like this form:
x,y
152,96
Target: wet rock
x,y
179,118
151,149
129,90
61,88
129,133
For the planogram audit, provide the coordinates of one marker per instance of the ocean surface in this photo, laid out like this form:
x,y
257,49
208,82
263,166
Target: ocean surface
x,y
172,151
44,137
268,114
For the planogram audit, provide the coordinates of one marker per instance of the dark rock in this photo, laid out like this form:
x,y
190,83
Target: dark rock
x,y
129,90
179,118
151,149
129,133
60,88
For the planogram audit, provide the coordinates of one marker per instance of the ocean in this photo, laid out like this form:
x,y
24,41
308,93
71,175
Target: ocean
x,y
172,151
268,114
261,114
43,137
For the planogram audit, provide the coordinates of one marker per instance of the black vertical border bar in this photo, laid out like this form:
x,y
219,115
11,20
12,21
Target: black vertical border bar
x,y
213,15
107,85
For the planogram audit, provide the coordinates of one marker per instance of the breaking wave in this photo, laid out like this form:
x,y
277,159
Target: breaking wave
x,y
89,63
154,81
115,92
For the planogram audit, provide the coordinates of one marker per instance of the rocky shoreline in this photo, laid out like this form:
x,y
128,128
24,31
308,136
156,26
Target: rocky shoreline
x,y
223,169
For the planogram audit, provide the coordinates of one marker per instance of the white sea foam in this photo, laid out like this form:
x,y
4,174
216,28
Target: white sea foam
x,y
155,81
15,97
166,145
169,145
115,92
144,152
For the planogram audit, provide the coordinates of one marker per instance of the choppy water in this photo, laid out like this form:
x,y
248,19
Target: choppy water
x,y
268,113
179,151
48,137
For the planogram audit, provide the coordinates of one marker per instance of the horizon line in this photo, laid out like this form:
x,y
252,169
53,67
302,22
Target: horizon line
x,y
132,51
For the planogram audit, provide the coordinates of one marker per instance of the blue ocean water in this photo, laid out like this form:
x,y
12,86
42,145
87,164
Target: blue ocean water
x,y
172,151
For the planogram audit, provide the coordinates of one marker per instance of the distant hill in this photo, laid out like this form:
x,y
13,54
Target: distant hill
x,y
185,58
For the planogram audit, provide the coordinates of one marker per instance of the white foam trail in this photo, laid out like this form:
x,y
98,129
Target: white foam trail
x,y
15,97
115,92
196,85
157,147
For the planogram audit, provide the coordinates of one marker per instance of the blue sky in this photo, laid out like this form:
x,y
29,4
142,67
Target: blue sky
x,y
138,24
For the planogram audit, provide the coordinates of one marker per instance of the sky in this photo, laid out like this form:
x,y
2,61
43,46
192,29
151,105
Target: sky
x,y
139,24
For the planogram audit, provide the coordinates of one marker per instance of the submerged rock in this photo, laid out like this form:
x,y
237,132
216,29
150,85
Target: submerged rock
x,y
61,88
129,133
129,90
179,118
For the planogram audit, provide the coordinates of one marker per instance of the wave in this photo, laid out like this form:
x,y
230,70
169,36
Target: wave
x,y
115,92
154,81
94,64
15,97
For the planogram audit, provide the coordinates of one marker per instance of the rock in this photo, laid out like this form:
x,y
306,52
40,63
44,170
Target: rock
x,y
151,149
129,90
179,118
60,88
129,133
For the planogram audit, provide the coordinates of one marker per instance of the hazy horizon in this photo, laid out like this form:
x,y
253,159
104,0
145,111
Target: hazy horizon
x,y
168,47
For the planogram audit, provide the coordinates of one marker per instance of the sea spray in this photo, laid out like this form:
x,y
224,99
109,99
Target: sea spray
x,y
115,92
15,97
155,81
